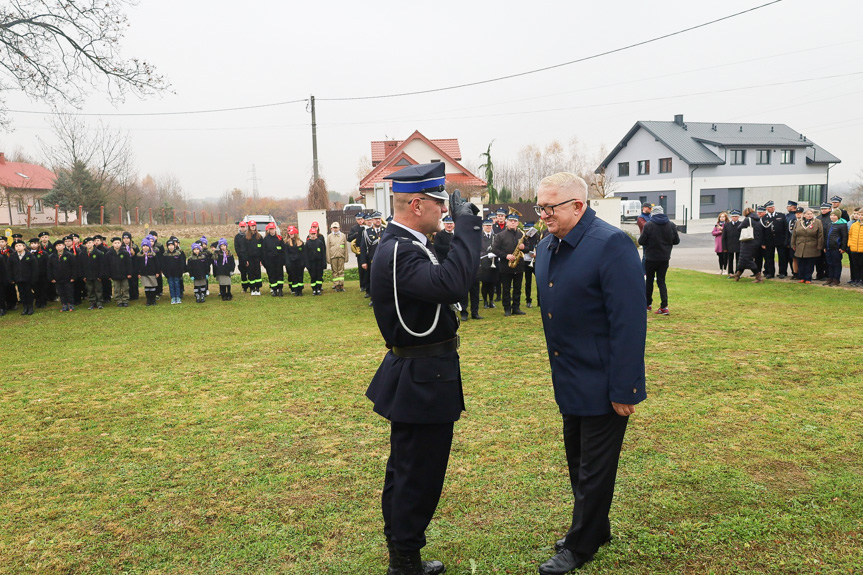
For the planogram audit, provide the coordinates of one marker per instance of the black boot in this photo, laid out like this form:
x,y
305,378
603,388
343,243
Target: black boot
x,y
30,309
2,311
412,564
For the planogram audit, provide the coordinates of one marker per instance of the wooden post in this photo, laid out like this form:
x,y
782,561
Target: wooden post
x,y
28,215
151,216
195,218
136,215
203,217
56,215
101,215
80,215
174,213
163,217
184,217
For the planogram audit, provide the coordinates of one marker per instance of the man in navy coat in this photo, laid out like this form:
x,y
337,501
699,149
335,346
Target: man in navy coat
x,y
592,303
418,384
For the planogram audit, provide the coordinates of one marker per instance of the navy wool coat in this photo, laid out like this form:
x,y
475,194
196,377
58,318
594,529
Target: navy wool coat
x,y
591,290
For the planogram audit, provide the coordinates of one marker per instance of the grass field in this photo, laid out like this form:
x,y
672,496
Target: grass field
x,y
235,438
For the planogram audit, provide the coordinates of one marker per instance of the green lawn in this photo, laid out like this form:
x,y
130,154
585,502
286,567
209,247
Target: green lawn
x,y
235,438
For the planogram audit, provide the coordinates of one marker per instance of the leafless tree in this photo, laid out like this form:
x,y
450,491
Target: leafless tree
x,y
59,50
318,198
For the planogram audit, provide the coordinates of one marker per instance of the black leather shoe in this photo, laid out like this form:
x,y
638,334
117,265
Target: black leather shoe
x,y
491,305
506,313
563,562
475,316
558,545
517,311
412,564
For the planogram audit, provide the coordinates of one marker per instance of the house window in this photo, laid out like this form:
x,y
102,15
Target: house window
x,y
642,199
623,169
664,165
433,160
763,156
787,156
812,194
643,167
37,205
21,207
708,200
738,157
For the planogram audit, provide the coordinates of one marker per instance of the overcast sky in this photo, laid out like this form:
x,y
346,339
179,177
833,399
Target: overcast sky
x,y
219,54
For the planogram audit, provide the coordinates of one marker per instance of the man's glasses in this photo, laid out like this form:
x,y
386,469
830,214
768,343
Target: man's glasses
x,y
549,210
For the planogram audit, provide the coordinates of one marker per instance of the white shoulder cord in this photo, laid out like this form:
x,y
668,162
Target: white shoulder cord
x,y
396,294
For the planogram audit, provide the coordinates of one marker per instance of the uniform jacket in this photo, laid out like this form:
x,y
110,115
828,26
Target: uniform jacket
x,y
808,240
223,266
505,243
426,389
173,264
780,230
4,279
62,268
836,236
337,247
198,266
148,265
591,290
240,246
315,251
119,264
94,265
442,244
41,263
255,248
369,244
294,254
23,269
855,237
731,236
658,238
790,223
80,253
274,250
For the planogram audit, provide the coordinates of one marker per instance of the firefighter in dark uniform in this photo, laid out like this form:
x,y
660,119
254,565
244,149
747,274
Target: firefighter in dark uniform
x,y
776,243
531,238
768,241
498,226
418,385
443,239
354,238
371,236
821,262
488,265
790,222
240,252
505,245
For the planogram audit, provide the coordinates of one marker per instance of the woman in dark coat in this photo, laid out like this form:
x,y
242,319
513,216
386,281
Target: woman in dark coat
x,y
274,260
254,256
807,241
295,260
131,249
731,241
316,259
749,248
835,244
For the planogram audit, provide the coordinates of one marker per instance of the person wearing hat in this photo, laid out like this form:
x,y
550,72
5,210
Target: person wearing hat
x,y
40,286
731,241
100,244
498,227
315,251
591,289
240,253
337,255
10,295
274,260
46,246
159,250
174,265
790,221
94,269
61,273
23,273
254,251
821,262
504,246
835,244
132,250
807,239
118,263
443,240
369,245
354,239
855,248
835,204
531,239
148,270
295,260
774,243
767,237
418,386
4,280
644,216
658,238
223,266
487,265
198,265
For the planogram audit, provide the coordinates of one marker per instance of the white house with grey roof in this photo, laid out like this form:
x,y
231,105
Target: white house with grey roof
x,y
699,169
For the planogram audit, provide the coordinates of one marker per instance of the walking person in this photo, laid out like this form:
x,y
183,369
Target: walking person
x,y
658,238
337,255
717,242
590,290
751,236
807,239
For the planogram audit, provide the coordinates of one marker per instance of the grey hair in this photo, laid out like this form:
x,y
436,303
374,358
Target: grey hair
x,y
575,186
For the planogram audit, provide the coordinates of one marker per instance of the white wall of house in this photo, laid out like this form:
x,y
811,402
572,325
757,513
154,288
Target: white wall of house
x,y
761,182
423,154
40,214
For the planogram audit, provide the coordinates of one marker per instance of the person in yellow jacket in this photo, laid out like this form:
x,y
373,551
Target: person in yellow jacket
x,y
855,247
337,254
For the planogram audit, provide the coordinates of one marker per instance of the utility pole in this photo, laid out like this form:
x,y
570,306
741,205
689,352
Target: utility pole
x,y
254,179
314,140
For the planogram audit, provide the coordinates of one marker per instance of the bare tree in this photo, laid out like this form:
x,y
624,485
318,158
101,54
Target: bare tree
x,y
318,198
58,50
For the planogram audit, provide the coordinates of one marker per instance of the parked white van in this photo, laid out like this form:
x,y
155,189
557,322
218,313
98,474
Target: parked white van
x,y
629,210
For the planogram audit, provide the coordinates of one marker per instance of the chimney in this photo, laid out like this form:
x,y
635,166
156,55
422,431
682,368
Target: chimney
x,y
2,158
678,119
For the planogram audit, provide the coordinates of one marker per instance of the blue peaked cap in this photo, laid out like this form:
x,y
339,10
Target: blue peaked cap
x,y
427,179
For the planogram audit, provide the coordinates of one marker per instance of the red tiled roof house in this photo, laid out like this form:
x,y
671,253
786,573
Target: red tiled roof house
x,y
23,185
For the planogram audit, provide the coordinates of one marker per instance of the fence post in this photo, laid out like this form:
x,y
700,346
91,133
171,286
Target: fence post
x,y
151,216
174,213
136,215
101,215
203,217
56,215
163,217
80,215
184,217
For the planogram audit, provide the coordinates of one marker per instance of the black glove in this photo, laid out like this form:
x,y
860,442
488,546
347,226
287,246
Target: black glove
x,y
460,207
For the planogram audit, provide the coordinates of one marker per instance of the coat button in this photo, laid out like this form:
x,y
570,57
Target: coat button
x,y
550,284
556,354
634,390
549,315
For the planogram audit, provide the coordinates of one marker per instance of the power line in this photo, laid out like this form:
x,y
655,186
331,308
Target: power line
x,y
187,112
537,70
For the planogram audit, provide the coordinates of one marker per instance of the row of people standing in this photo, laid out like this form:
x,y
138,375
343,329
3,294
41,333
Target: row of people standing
x,y
802,242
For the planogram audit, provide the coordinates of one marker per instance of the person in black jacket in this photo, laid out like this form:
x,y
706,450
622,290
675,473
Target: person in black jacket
x,y
240,252
443,239
118,262
10,297
370,238
62,269
254,248
295,260
354,239
132,250
658,237
47,248
174,265
94,269
4,282
835,244
790,222
40,286
531,238
315,251
223,267
198,266
149,270
23,272
488,265
774,242
749,249
731,241
504,246
274,260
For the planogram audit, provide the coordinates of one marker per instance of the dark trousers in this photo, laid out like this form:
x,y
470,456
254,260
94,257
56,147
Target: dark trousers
x,y
106,289
511,283
758,258
11,295
748,262
856,259
782,254
528,282
472,295
253,273
658,269
834,264
244,274
770,260
316,275
792,261
94,292
415,473
276,274
66,292
806,266
134,292
25,293
821,266
723,260
79,290
592,453
295,276
733,262
40,292
364,277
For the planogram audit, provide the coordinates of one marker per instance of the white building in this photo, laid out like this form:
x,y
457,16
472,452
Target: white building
x,y
700,169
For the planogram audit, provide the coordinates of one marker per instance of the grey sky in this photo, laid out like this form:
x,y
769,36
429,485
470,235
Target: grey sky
x,y
221,54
